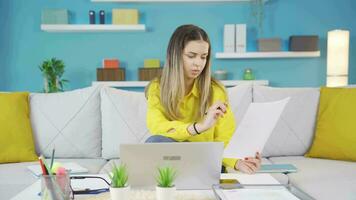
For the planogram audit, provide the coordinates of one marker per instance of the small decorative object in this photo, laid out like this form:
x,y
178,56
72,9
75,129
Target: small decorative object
x,y
52,71
151,63
125,16
304,43
229,38
91,16
269,44
248,75
55,16
240,35
119,188
111,63
110,74
220,74
102,17
147,74
165,189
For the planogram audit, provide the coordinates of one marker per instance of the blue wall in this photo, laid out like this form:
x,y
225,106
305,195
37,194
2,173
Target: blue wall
x,y
23,46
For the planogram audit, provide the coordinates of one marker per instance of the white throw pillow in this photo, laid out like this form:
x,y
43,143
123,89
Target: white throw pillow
x,y
69,121
294,131
240,97
123,119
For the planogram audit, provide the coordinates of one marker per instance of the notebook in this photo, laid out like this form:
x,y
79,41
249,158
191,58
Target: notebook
x,y
73,167
277,168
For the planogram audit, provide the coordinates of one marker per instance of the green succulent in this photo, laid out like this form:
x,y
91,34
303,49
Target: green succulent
x,y
166,177
53,70
118,176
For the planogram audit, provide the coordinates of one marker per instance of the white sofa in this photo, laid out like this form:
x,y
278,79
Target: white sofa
x,y
87,125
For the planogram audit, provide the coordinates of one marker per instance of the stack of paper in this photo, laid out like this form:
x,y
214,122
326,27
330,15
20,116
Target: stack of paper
x,y
258,194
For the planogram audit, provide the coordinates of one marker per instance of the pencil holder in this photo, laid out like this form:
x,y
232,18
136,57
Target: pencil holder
x,y
56,187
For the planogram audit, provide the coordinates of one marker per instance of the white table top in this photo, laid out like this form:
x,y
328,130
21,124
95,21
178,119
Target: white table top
x,y
31,192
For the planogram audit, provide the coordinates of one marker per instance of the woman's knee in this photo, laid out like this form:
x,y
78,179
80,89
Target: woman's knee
x,y
158,138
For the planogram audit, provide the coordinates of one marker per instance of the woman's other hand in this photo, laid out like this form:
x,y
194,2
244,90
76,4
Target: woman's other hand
x,y
249,165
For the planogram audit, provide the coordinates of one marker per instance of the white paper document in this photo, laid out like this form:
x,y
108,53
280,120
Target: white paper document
x,y
254,129
258,194
73,167
250,179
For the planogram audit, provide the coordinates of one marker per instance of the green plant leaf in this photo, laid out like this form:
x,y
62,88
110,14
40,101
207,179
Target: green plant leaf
x,y
53,71
118,176
166,176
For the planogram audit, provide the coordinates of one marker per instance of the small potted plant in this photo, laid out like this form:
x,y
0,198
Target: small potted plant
x,y
165,189
52,71
119,188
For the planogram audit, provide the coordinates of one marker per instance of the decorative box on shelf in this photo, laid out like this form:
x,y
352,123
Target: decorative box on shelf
x,y
147,74
110,74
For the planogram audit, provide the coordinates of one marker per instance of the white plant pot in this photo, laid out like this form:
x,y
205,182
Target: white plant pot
x,y
120,193
165,193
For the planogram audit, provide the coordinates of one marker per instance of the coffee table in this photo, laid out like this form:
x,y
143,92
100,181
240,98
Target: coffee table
x,y
256,191
264,181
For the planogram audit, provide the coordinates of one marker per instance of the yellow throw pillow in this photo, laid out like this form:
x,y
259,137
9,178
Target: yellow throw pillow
x,y
335,136
16,142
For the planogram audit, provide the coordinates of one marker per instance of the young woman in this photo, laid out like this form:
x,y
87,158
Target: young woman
x,y
186,103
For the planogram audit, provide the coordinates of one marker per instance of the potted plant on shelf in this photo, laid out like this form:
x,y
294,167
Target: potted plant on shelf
x,y
52,71
119,188
165,189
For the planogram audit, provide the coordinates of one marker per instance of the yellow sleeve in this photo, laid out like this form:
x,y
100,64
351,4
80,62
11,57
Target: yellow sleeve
x,y
158,124
224,130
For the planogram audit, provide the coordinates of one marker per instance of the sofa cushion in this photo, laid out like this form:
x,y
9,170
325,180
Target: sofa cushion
x,y
68,121
321,178
240,97
123,119
294,131
335,136
16,141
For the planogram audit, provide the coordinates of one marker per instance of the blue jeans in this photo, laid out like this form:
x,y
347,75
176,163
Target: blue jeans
x,y
160,138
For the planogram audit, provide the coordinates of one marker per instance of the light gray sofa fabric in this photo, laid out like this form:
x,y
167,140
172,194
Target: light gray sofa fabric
x,y
68,121
321,178
15,177
294,131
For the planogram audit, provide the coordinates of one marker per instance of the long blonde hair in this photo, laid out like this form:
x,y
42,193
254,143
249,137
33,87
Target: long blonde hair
x,y
172,87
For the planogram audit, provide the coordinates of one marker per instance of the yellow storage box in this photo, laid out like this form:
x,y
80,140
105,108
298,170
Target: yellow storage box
x,y
151,63
125,16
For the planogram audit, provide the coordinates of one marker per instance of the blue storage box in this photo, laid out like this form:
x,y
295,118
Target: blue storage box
x,y
55,16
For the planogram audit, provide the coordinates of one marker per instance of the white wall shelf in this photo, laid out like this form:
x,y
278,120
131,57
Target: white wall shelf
x,y
227,83
277,54
168,1
91,28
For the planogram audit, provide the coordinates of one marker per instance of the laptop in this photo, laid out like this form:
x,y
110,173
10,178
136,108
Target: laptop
x,y
198,164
